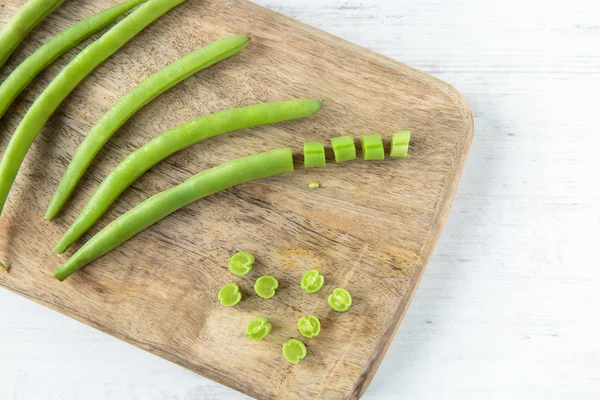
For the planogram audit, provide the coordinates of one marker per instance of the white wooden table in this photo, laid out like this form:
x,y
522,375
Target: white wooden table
x,y
509,306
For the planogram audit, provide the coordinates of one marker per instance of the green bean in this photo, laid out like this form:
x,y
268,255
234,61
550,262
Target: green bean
x,y
139,96
294,351
22,23
265,286
53,48
155,208
372,147
241,263
229,295
167,143
85,62
343,148
400,142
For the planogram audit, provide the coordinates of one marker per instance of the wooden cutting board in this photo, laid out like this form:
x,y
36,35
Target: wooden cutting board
x,y
370,228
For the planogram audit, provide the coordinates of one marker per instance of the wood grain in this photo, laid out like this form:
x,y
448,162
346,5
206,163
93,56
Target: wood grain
x,y
371,228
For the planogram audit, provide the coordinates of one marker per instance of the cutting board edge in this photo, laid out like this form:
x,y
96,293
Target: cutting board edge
x,y
433,235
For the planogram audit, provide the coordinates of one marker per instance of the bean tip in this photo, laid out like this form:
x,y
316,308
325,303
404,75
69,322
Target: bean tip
x,y
3,266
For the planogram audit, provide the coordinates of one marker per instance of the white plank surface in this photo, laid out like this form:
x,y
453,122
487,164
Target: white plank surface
x,y
508,307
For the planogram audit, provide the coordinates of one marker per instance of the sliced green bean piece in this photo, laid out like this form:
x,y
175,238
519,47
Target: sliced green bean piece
x,y
3,266
84,63
157,207
230,295
372,147
258,328
265,286
162,146
294,351
309,326
53,48
28,16
314,185
340,300
343,148
241,263
314,154
400,142
312,281
129,104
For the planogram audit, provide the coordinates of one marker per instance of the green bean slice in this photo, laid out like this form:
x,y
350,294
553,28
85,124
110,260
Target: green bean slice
x,y
314,185
19,26
312,281
343,148
294,351
340,300
157,207
372,147
241,263
258,328
265,286
309,326
162,146
400,142
314,154
18,80
129,104
84,63
230,295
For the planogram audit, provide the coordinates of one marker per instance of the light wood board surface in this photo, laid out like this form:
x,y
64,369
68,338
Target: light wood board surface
x,y
371,227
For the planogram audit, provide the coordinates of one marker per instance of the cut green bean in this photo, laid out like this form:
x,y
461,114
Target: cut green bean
x,y
28,16
314,154
258,328
343,148
312,281
314,185
241,263
157,207
229,295
265,286
84,63
162,146
53,48
340,300
372,147
309,326
400,142
129,104
3,266
294,351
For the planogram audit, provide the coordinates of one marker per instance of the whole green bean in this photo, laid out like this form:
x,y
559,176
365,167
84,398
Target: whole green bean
x,y
67,80
28,16
53,48
159,206
156,84
167,143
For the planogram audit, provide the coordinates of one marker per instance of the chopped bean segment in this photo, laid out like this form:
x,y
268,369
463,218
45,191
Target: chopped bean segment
x,y
340,300
230,295
314,185
258,328
311,281
372,147
241,263
343,148
265,286
294,351
314,154
309,326
400,141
